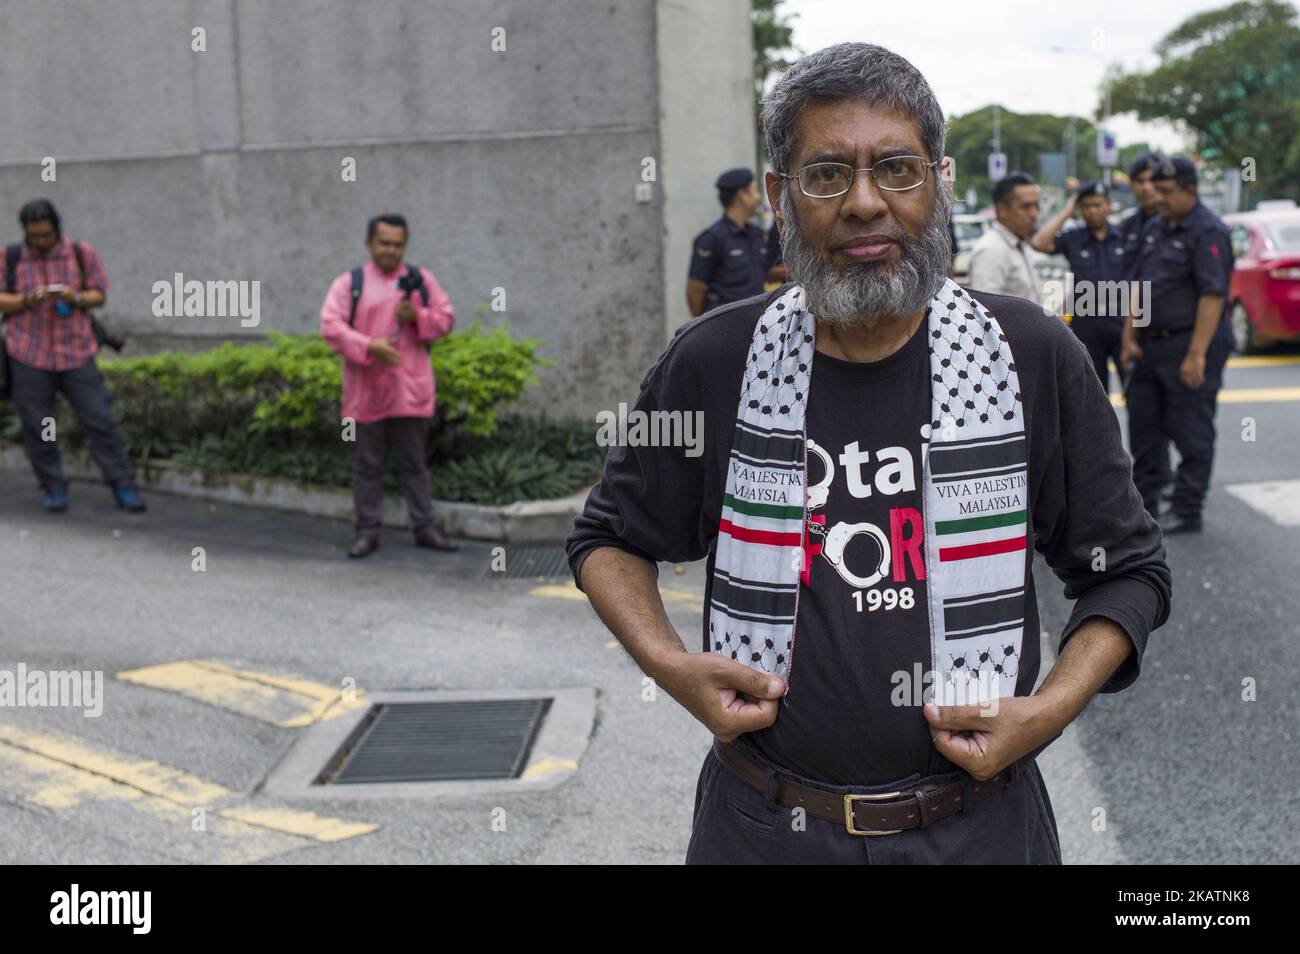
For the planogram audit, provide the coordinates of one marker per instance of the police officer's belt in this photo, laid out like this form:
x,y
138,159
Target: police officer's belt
x,y
870,814
1161,333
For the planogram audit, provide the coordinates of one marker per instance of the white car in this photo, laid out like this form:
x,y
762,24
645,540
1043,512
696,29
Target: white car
x,y
969,228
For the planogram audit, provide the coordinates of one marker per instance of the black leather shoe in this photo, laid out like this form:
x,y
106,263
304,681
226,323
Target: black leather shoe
x,y
364,545
432,538
1172,523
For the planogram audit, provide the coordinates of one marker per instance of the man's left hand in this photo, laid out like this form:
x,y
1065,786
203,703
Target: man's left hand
x,y
405,311
66,293
984,739
1192,370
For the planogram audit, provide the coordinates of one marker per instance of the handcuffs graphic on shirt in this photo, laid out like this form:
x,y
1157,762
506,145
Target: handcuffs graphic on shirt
x,y
836,539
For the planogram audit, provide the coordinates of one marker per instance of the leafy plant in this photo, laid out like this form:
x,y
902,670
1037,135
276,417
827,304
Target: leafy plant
x,y
479,373
526,459
273,410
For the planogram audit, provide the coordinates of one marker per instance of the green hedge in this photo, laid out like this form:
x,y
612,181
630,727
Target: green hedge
x,y
273,410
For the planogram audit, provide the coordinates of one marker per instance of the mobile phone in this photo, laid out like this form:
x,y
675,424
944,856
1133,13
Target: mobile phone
x,y
55,289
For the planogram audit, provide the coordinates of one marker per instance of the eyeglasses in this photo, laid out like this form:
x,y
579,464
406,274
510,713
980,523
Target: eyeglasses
x,y
826,180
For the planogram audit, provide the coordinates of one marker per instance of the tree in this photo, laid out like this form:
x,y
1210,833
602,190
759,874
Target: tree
x,y
1232,76
1024,136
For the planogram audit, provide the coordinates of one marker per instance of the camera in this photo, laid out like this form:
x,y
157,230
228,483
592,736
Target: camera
x,y
410,282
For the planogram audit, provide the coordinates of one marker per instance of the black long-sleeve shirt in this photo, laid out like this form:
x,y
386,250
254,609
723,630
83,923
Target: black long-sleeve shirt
x,y
840,722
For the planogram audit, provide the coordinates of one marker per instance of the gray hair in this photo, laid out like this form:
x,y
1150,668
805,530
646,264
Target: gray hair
x,y
849,71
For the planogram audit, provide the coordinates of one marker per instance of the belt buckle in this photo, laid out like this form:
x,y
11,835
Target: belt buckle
x,y
848,813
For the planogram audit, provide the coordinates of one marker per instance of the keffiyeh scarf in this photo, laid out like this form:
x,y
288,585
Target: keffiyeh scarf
x,y
974,493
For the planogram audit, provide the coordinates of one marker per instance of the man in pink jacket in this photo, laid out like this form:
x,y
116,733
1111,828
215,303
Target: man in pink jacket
x,y
388,385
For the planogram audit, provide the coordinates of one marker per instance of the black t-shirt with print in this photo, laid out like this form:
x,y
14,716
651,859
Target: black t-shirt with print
x,y
862,606
838,724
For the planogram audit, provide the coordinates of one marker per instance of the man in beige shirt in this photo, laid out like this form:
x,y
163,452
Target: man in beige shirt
x,y
999,262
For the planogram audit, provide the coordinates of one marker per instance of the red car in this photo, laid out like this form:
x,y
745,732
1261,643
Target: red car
x,y
1265,289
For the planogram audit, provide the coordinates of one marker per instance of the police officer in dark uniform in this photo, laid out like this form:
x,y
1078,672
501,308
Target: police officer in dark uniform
x,y
729,258
1096,256
1144,194
1179,346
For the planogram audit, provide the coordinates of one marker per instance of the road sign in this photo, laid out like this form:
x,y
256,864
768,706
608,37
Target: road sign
x,y
997,166
1107,150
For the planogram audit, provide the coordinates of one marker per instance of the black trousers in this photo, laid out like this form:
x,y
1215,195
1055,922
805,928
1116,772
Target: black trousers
x,y
405,436
737,824
33,391
1101,336
1161,407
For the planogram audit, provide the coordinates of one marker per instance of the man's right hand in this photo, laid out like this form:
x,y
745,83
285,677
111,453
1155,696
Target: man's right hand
x,y
727,697
381,348
1129,352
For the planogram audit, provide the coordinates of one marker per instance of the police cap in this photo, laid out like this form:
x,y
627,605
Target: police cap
x,y
1090,188
735,179
1143,163
1178,169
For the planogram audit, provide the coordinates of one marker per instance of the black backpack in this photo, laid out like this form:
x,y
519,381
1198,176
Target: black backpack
x,y
358,279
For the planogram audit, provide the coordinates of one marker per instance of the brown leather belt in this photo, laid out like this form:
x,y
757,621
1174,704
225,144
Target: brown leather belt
x,y
869,814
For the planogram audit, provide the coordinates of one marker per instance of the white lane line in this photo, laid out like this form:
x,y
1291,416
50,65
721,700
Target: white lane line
x,y
1279,500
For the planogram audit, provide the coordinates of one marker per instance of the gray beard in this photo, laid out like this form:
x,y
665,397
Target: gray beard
x,y
867,293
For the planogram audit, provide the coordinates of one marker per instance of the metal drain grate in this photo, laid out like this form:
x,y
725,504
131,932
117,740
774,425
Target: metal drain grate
x,y
525,562
438,741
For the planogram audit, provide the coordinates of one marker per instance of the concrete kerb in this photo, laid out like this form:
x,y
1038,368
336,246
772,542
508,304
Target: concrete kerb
x,y
527,521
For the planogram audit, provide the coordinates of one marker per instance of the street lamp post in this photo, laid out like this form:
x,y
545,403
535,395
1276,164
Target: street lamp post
x,y
1071,144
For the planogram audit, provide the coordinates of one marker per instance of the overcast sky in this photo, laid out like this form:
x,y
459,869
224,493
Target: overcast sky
x,y
987,51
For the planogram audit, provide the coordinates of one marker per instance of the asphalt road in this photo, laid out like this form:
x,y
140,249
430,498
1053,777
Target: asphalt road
x,y
1182,768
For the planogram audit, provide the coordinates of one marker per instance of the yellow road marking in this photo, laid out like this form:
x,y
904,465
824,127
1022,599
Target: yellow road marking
x,y
293,821
1245,395
546,766
559,591
1240,395
76,778
100,804
1262,361
285,701
151,778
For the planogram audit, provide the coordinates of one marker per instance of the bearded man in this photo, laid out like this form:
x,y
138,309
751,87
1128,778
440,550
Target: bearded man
x,y
879,447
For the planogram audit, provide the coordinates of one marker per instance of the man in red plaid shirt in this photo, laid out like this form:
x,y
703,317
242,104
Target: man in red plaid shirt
x,y
51,346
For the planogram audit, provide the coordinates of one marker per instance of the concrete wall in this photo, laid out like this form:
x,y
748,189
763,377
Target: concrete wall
x,y
706,123
516,169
